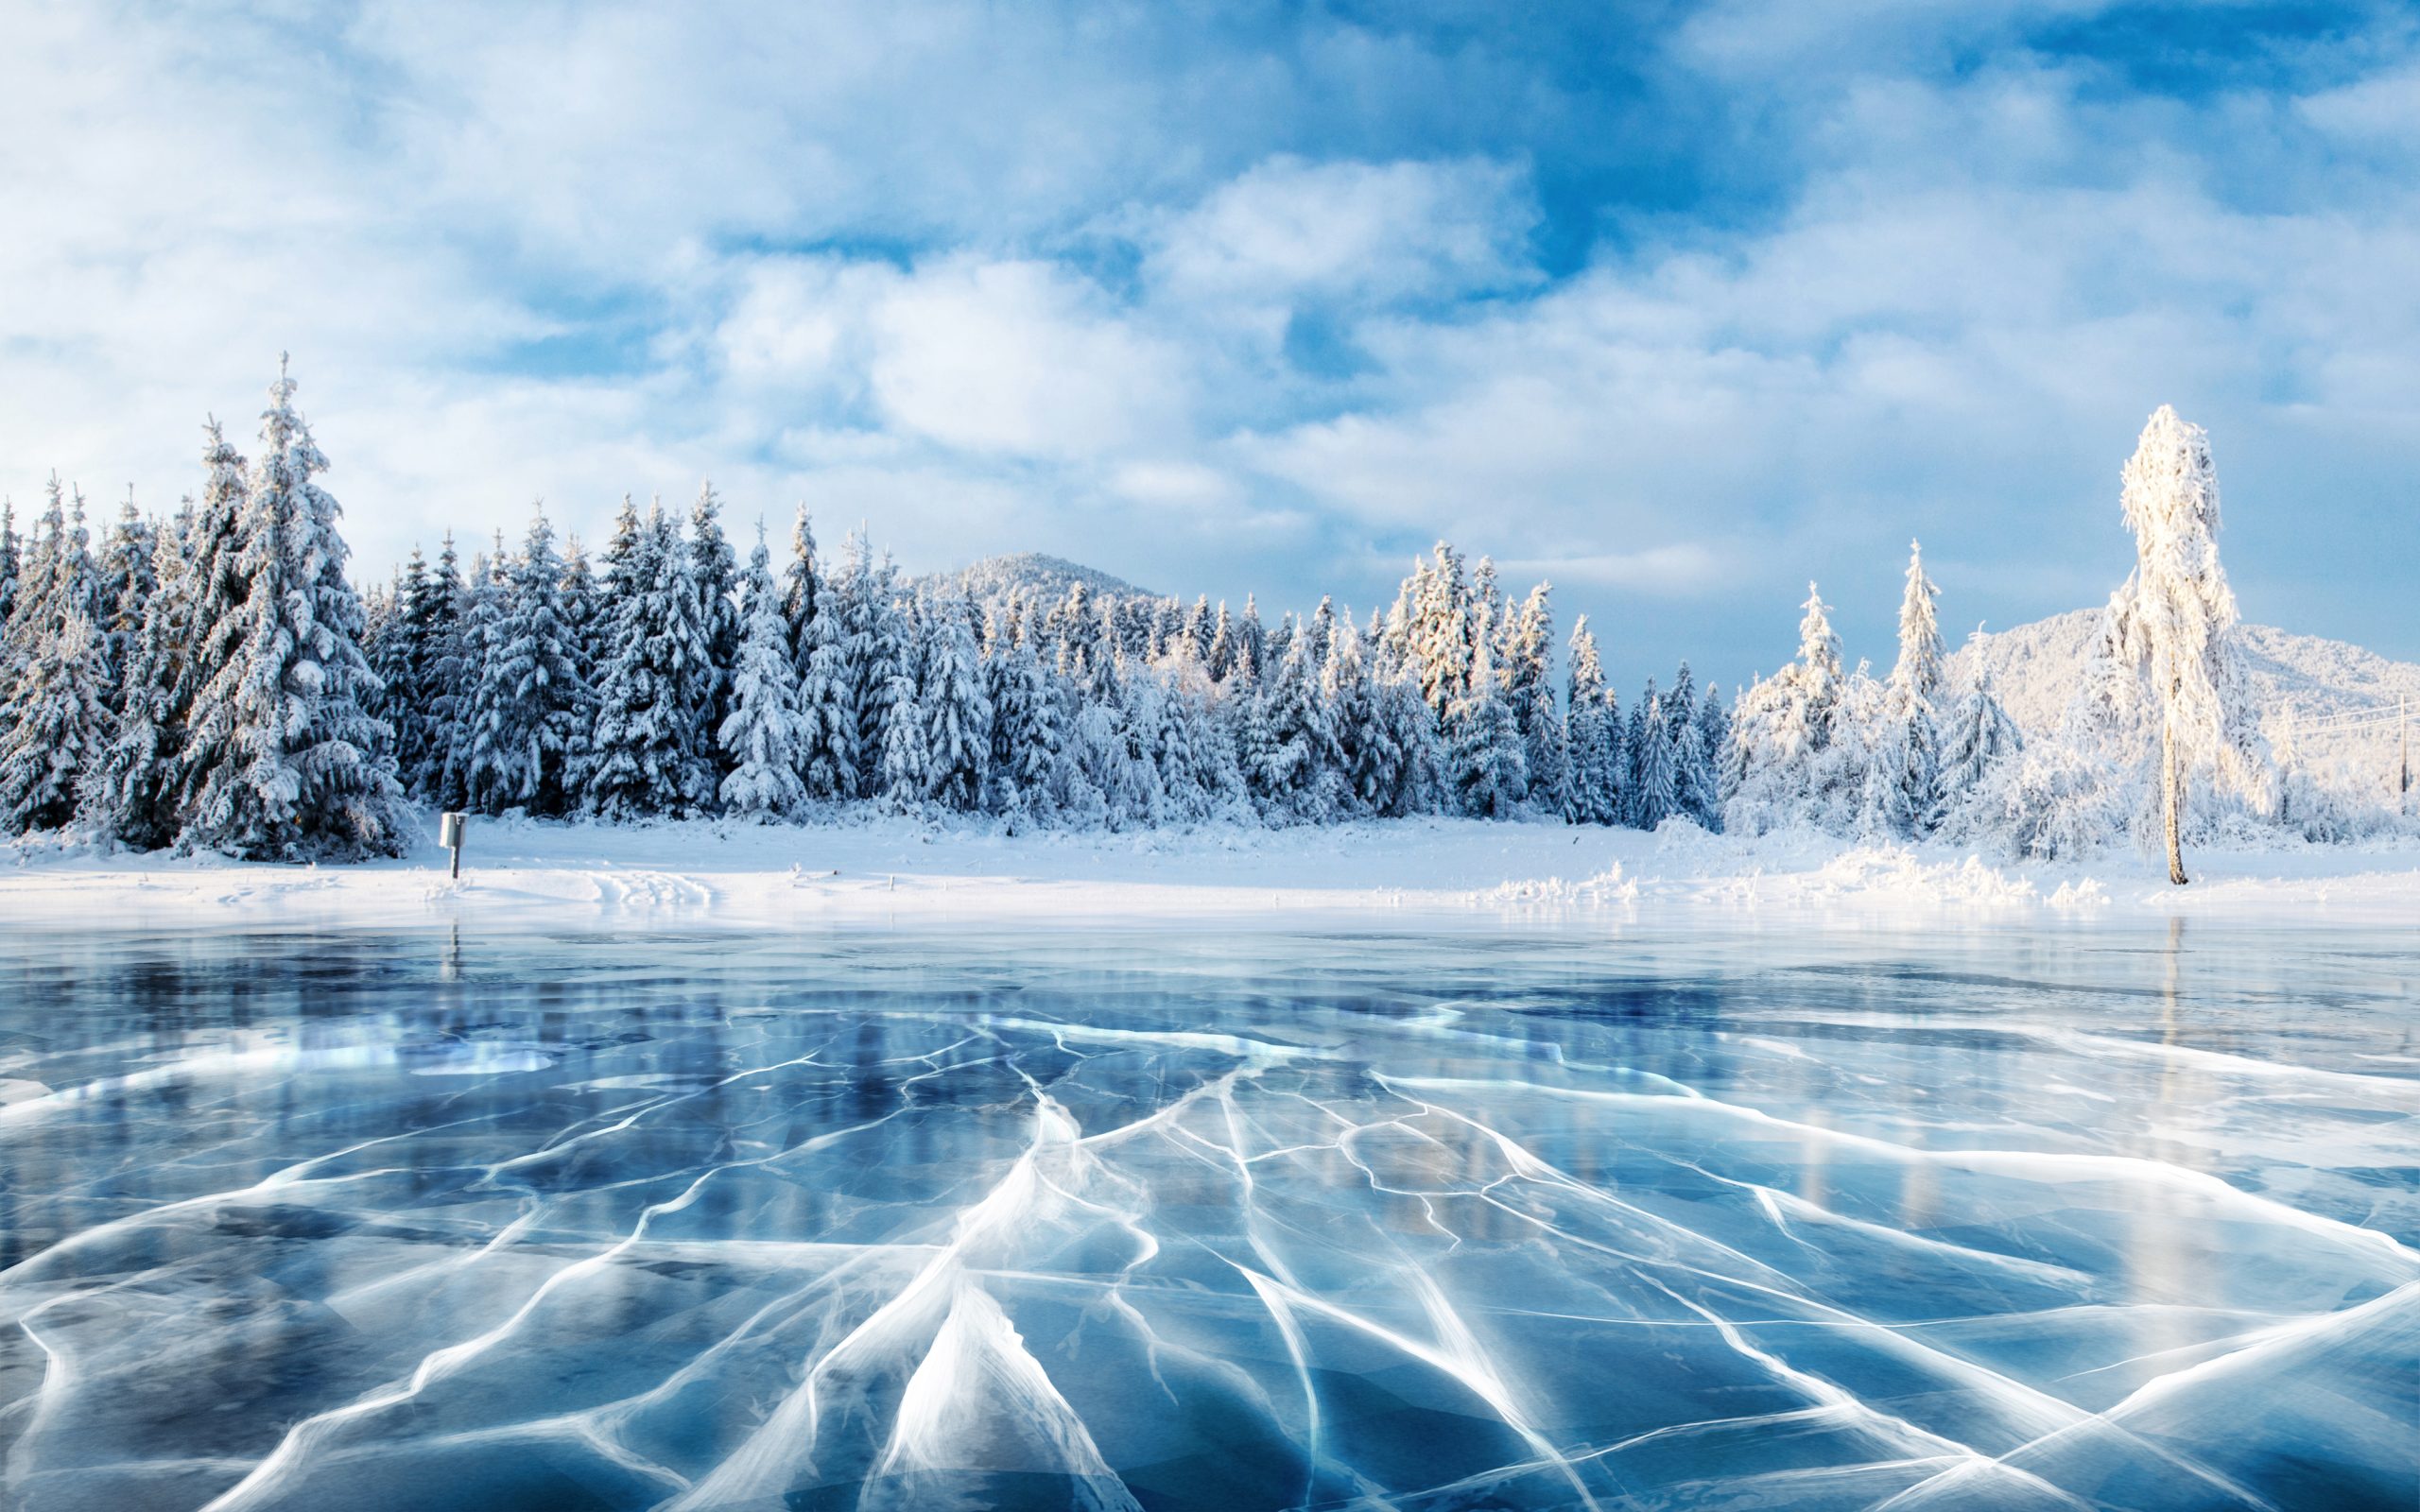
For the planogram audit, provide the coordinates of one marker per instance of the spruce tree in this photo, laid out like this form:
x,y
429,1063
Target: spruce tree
x,y
957,713
127,794
1658,779
759,737
1592,789
798,591
57,727
1489,769
714,579
284,761
1906,791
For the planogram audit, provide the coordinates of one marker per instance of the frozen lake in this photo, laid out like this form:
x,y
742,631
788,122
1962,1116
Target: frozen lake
x,y
1221,1219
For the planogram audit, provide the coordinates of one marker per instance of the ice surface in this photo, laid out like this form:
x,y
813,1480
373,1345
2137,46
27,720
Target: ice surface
x,y
1453,1216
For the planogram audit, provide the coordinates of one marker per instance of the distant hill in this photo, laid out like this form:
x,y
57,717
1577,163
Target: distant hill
x,y
1030,573
2036,667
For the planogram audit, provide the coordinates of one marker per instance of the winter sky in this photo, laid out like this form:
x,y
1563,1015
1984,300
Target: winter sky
x,y
1678,305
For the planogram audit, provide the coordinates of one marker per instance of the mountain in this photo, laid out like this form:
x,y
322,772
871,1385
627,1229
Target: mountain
x,y
2035,669
1031,575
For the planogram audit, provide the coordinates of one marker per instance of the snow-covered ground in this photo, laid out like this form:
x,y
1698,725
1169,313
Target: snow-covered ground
x,y
892,869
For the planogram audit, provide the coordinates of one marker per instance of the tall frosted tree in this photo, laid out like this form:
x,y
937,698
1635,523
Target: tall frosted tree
x,y
56,729
282,760
1905,786
714,580
534,703
1592,792
1696,791
125,583
958,711
2175,621
127,794
1658,775
759,737
1490,772
799,590
653,684
1979,735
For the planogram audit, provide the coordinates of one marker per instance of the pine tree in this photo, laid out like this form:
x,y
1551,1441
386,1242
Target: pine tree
x,y
1592,793
431,615
1658,779
654,682
584,632
714,580
957,713
283,761
828,751
57,727
127,794
126,582
1980,737
1906,790
1490,771
535,705
904,774
1291,781
759,738
1529,654
798,591
1696,788
483,770
10,558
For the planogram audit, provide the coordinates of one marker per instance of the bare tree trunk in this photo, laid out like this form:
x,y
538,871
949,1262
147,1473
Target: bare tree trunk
x,y
2172,798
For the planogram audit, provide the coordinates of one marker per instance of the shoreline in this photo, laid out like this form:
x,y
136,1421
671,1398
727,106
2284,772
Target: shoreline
x,y
874,872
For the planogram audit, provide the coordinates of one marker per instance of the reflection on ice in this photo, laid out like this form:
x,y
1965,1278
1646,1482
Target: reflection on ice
x,y
1209,1222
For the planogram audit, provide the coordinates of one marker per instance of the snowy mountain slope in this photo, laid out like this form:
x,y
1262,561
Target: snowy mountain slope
x,y
1030,573
2036,667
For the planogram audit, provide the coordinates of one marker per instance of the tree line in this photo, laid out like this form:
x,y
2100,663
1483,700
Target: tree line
x,y
212,680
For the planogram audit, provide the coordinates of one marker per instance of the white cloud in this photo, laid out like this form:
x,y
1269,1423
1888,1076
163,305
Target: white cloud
x,y
1288,229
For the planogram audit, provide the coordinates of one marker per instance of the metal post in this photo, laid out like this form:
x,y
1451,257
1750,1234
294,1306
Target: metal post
x,y
449,834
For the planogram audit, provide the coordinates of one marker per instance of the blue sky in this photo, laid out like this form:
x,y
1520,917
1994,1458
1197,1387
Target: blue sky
x,y
1676,305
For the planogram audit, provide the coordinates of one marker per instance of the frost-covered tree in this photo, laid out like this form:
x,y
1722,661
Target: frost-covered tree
x,y
281,760
57,727
1490,773
1593,787
126,581
958,711
714,580
482,775
760,735
1658,779
2173,625
1979,736
1025,738
431,611
1696,786
125,795
535,707
798,583
653,682
1290,777
903,775
1904,785
1781,768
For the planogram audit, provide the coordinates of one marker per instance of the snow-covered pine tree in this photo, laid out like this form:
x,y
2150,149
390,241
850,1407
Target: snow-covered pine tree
x,y
1713,739
125,571
2180,626
760,736
1978,737
1024,731
1906,789
125,795
1696,784
828,752
1252,642
429,611
1527,639
1592,787
652,690
584,630
1635,741
904,773
11,556
536,702
958,711
484,772
1349,726
1658,779
714,579
57,727
1490,772
284,761
799,582
1292,783
1223,646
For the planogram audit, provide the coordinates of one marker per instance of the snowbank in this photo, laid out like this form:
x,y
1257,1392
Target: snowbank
x,y
898,870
